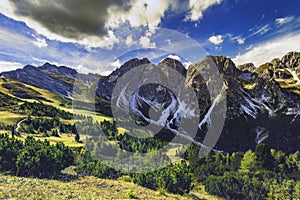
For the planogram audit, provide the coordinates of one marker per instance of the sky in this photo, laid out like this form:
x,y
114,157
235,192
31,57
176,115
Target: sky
x,y
95,36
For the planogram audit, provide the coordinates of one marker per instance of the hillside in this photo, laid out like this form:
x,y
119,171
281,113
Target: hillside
x,y
256,97
82,188
255,156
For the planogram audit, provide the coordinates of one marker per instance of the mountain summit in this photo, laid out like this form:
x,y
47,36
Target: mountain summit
x,y
263,103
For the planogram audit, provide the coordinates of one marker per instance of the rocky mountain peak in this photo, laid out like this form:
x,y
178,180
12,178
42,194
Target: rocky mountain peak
x,y
48,65
29,67
135,62
291,60
61,71
225,65
175,64
248,66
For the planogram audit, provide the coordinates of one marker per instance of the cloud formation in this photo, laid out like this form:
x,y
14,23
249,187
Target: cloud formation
x,y
266,51
92,23
197,8
261,30
284,20
175,57
69,18
88,22
8,66
40,42
240,40
216,39
17,50
145,42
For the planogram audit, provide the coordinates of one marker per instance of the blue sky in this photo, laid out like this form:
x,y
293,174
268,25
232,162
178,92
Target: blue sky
x,y
98,36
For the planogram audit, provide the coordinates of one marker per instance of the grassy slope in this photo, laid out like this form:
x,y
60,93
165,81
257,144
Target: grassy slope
x,y
9,118
29,188
83,188
51,99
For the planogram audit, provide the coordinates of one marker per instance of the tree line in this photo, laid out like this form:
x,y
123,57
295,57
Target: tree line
x,y
33,157
256,174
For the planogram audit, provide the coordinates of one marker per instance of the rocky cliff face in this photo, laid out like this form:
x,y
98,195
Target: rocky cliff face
x,y
262,103
105,86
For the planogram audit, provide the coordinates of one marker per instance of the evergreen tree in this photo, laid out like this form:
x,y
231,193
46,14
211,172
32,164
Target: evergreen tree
x,y
77,137
264,158
249,162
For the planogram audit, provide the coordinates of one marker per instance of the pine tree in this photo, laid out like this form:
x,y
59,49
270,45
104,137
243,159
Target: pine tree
x,y
249,162
77,137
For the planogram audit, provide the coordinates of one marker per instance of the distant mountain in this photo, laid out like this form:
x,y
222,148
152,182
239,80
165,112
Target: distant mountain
x,y
57,79
263,103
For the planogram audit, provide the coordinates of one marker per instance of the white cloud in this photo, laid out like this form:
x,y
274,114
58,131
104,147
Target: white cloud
x,y
175,57
40,42
266,51
129,41
284,20
197,8
187,64
116,64
216,39
8,66
240,40
142,13
145,42
262,30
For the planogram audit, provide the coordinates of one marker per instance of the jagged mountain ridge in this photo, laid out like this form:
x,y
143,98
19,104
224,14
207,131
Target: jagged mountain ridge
x,y
57,79
263,103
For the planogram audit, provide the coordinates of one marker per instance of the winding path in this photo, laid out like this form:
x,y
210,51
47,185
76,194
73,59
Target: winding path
x,y
19,124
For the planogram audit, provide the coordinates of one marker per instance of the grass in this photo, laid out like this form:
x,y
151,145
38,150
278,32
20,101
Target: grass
x,y
67,139
12,187
9,118
171,153
198,192
44,96
5,131
50,98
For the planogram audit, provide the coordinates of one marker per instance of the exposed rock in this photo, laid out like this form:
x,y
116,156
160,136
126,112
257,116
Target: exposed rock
x,y
262,103
248,66
34,76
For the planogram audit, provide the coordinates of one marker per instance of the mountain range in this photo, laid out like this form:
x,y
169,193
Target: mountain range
x,y
262,103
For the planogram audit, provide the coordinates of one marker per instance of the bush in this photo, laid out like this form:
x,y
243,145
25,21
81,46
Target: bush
x,y
125,178
174,178
9,149
131,194
33,158
235,186
40,159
